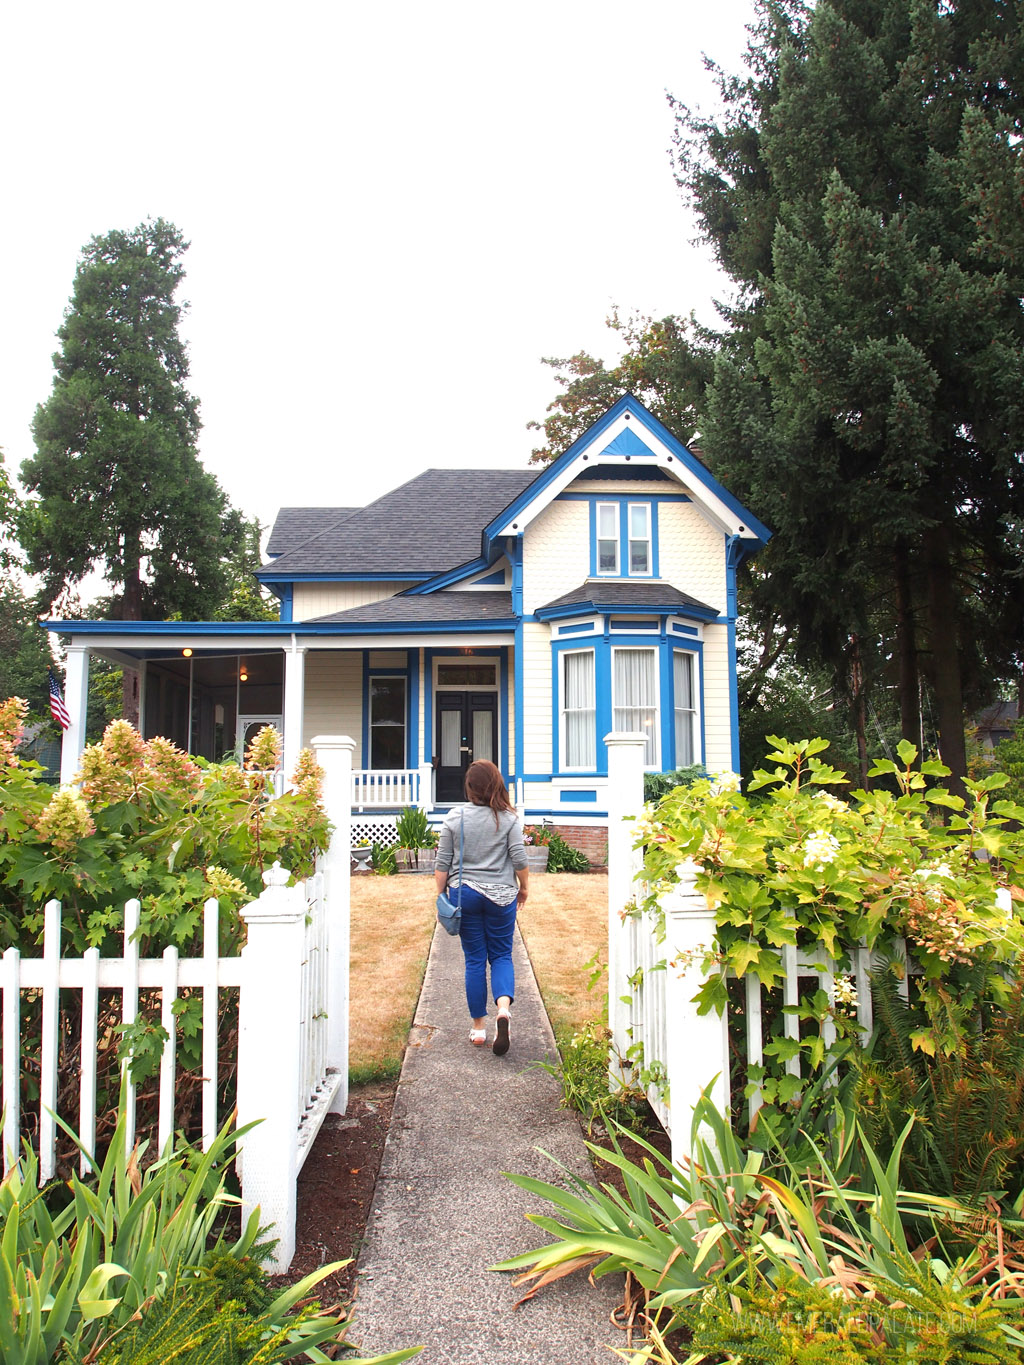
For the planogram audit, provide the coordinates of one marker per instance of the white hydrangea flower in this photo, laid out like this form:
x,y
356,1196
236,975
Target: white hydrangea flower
x,y
1004,901
832,802
725,782
845,991
820,848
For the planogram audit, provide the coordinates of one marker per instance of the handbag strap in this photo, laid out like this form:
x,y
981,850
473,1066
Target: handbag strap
x,y
462,844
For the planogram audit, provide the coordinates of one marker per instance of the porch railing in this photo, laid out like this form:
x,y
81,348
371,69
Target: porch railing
x,y
381,788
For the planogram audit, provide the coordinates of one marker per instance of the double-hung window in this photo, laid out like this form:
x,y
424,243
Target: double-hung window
x,y
685,707
579,713
639,515
624,539
635,696
608,537
387,722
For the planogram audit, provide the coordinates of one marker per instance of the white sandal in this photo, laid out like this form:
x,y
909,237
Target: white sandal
x,y
478,1037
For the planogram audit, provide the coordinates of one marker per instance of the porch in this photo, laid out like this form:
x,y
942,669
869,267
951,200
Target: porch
x,y
419,714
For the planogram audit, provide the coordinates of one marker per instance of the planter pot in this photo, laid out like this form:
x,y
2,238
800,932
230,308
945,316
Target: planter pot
x,y
361,856
414,859
537,857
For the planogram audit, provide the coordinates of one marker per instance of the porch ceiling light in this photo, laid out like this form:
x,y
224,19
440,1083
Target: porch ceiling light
x,y
243,676
186,652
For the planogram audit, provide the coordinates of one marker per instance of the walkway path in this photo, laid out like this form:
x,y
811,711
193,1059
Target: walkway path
x,y
443,1212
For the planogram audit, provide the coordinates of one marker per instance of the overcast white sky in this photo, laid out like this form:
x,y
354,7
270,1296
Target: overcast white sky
x,y
395,211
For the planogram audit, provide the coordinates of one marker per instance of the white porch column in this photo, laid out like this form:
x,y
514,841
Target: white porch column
x,y
76,698
625,797
698,1044
294,705
426,772
334,754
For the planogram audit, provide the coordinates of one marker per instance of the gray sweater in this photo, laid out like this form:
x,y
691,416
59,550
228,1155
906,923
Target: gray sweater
x,y
490,855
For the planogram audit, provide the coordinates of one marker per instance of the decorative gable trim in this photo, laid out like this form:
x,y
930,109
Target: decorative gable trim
x,y
614,437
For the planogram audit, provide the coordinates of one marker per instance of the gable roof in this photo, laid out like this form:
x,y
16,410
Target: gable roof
x,y
628,432
295,525
426,526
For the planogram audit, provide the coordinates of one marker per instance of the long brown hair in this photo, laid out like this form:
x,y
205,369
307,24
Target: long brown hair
x,y
485,786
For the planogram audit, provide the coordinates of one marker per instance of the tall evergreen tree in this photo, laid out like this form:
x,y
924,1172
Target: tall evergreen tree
x,y
866,398
119,485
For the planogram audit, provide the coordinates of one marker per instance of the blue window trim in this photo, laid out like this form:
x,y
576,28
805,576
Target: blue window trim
x,y
411,702
602,645
558,648
696,649
581,628
582,795
624,501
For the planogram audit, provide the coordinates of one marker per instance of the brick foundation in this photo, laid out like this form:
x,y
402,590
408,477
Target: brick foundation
x,y
589,839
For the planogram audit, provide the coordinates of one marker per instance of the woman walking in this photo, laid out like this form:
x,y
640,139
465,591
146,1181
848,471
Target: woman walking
x,y
494,877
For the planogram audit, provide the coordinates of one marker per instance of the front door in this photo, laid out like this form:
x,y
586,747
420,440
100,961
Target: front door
x,y
467,729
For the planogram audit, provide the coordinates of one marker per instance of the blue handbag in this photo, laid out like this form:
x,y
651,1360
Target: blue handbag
x,y
449,912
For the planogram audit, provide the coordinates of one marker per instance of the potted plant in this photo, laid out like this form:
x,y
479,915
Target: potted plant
x,y
362,851
536,839
416,841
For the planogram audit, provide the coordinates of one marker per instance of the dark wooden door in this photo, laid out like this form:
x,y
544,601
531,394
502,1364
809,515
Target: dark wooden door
x,y
467,729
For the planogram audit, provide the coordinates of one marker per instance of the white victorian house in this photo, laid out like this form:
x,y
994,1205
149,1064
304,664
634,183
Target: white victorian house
x,y
516,615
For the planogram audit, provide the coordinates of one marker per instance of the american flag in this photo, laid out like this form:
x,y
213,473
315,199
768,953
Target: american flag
x,y
57,708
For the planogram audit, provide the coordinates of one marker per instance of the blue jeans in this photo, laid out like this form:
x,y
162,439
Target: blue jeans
x,y
486,935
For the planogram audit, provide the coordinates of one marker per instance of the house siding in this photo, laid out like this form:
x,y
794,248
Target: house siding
x,y
556,553
334,697
692,553
323,599
717,728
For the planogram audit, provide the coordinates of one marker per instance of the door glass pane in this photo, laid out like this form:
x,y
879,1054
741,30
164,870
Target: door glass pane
x,y
483,736
451,738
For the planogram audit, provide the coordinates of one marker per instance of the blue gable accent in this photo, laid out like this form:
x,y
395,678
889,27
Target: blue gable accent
x,y
627,443
632,408
493,579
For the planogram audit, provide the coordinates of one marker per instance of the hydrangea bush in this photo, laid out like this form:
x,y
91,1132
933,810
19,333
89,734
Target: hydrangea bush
x,y
793,862
143,821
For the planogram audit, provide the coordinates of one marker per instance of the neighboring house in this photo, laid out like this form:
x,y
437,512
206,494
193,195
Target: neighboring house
x,y
515,615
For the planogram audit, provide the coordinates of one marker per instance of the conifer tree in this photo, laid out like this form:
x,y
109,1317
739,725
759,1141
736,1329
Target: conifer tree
x,y
118,483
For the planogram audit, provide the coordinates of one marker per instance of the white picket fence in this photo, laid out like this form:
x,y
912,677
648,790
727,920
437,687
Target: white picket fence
x,y
653,978
292,982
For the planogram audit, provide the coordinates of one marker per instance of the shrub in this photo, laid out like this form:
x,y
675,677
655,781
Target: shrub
x,y
413,829
562,857
657,785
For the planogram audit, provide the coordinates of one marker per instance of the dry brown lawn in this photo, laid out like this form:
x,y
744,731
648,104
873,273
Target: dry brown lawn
x,y
564,925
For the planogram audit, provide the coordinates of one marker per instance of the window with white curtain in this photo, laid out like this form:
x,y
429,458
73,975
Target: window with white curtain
x,y
579,716
635,696
639,537
685,707
608,537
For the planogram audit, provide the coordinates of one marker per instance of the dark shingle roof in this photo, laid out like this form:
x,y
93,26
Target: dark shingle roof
x,y
428,525
294,525
437,606
597,594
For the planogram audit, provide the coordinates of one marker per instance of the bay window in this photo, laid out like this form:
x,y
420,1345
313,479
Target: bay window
x,y
579,715
685,707
635,696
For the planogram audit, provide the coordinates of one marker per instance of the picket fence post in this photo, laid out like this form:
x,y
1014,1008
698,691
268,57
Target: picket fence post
x,y
697,1044
625,797
269,1017
334,754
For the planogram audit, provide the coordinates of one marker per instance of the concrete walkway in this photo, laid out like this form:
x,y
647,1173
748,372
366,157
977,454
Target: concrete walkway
x,y
443,1212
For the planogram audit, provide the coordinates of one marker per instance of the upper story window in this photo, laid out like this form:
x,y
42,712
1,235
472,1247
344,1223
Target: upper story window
x,y
639,517
608,537
624,539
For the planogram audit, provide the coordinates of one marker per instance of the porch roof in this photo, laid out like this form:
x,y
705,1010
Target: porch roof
x,y
600,595
476,608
